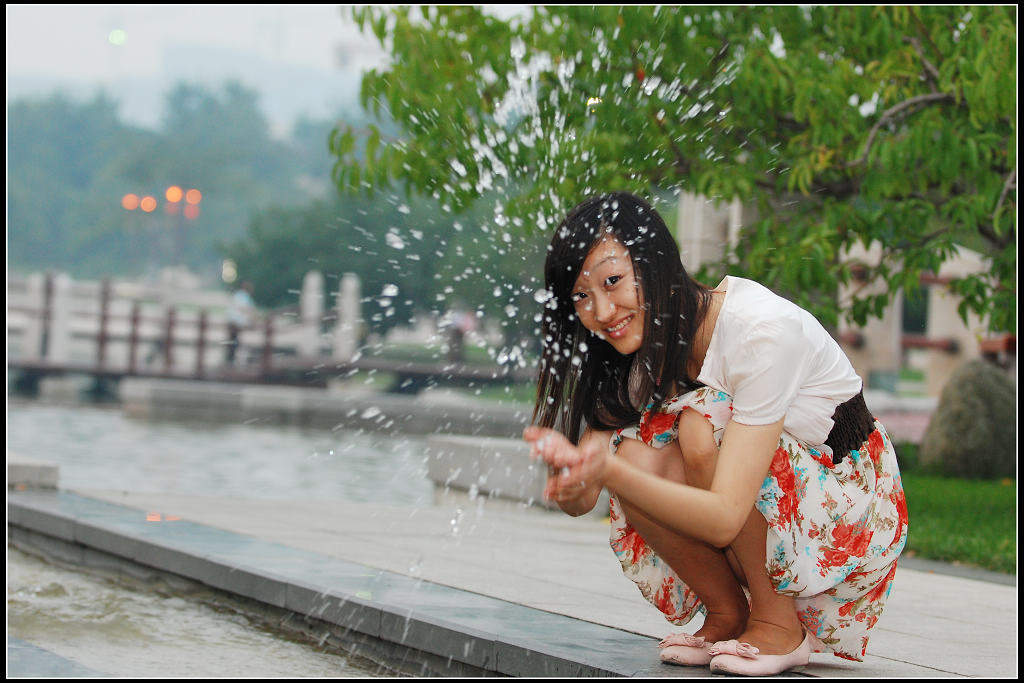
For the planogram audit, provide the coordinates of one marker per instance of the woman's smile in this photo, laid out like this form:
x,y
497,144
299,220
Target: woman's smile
x,y
619,329
607,297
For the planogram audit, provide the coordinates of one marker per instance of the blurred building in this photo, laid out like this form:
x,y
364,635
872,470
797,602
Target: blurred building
x,y
925,334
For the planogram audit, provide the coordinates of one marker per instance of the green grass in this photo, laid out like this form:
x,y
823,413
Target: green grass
x,y
971,522
474,355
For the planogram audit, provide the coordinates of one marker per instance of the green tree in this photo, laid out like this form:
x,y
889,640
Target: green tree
x,y
840,124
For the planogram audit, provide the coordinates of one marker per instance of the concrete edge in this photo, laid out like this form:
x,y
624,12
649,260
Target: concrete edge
x,y
24,473
475,634
204,401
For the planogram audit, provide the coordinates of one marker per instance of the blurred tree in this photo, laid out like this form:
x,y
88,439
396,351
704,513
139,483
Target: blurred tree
x,y
220,143
70,163
840,124
59,194
412,259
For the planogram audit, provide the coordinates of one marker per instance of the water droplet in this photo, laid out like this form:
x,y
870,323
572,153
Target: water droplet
x,y
394,241
455,521
458,167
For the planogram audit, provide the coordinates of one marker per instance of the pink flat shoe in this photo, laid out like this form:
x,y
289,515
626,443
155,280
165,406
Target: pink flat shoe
x,y
685,649
742,659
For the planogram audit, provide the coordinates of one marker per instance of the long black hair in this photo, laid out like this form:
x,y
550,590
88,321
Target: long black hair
x,y
583,379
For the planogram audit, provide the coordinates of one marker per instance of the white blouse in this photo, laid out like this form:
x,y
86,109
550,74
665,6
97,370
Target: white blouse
x,y
775,359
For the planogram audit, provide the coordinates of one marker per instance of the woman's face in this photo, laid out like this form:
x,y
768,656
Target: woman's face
x,y
607,296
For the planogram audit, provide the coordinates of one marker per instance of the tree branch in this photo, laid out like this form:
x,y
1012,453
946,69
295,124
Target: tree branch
x,y
928,66
891,112
924,31
1010,184
682,162
989,232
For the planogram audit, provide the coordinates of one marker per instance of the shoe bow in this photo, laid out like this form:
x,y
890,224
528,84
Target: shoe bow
x,y
733,647
687,639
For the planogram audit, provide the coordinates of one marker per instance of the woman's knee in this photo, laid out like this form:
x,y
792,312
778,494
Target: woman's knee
x,y
698,447
664,462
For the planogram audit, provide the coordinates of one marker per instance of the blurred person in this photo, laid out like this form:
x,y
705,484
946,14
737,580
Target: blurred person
x,y
241,316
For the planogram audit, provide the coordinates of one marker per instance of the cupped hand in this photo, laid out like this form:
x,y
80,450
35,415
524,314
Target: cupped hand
x,y
572,471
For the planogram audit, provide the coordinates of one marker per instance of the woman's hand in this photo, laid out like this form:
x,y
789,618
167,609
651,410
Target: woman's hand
x,y
575,474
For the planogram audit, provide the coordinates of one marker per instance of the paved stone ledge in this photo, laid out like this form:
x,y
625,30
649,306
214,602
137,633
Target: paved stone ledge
x,y
27,473
427,413
25,660
493,467
478,634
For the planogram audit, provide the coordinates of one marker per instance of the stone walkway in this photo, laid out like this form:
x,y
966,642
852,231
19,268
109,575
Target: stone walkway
x,y
509,588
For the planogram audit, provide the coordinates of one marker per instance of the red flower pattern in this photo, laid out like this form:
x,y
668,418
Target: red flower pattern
x,y
899,499
631,542
821,457
876,444
804,501
879,591
663,599
782,469
853,538
656,424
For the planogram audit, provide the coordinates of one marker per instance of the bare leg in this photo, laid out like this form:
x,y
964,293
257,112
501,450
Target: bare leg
x,y
773,627
701,566
769,622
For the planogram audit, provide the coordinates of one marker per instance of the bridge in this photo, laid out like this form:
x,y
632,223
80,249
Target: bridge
x,y
110,330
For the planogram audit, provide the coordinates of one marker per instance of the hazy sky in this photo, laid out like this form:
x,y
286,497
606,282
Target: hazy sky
x,y
303,59
75,41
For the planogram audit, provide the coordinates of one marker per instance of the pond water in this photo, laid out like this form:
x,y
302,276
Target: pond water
x,y
100,448
117,630
126,631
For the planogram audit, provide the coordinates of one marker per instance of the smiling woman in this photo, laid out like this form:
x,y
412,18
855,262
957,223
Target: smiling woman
x,y
747,478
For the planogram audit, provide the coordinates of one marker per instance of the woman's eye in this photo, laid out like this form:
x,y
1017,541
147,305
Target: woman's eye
x,y
609,281
578,297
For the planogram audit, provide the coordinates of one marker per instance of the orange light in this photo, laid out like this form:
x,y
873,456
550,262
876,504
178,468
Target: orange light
x,y
193,196
153,517
130,201
174,193
191,211
148,204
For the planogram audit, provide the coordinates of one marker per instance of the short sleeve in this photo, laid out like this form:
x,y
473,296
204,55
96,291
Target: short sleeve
x,y
767,372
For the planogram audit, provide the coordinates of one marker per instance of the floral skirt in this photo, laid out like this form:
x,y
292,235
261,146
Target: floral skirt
x,y
834,531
